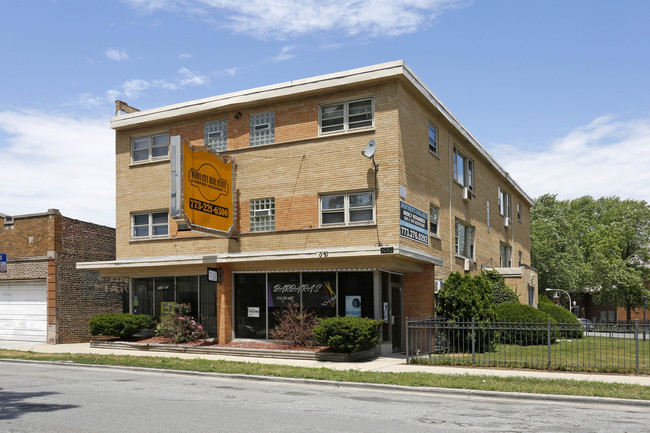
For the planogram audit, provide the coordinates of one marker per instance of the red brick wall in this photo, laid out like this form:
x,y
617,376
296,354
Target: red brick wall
x,y
418,294
82,294
224,305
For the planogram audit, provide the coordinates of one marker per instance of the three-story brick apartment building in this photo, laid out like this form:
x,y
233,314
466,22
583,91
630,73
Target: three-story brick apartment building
x,y
318,221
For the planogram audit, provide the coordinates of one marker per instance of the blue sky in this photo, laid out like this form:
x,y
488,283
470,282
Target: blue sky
x,y
558,91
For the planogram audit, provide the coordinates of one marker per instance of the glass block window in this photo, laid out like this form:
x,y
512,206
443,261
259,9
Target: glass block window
x,y
216,135
262,214
262,129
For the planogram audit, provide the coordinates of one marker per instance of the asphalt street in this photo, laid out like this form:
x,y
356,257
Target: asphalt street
x,y
53,398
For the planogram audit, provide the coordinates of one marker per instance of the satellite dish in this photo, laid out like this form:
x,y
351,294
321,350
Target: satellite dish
x,y
371,147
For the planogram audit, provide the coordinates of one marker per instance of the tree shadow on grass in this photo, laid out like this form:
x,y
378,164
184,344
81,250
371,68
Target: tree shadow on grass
x,y
15,404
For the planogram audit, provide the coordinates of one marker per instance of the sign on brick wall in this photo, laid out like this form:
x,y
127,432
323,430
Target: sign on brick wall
x,y
202,189
413,223
3,263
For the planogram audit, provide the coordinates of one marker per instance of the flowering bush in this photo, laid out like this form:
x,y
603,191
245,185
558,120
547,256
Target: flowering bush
x,y
179,326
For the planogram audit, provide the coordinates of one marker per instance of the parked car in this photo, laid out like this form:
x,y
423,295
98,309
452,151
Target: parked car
x,y
587,324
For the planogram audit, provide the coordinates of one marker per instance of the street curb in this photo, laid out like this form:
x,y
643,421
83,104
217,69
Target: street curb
x,y
467,393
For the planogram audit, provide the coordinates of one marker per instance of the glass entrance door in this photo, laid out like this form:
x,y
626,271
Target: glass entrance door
x,y
391,294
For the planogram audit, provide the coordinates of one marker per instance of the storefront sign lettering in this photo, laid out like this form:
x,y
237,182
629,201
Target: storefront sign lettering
x,y
293,288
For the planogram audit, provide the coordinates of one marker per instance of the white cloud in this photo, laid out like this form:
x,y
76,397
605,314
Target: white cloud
x,y
285,54
290,18
604,158
185,56
135,88
116,55
54,161
191,79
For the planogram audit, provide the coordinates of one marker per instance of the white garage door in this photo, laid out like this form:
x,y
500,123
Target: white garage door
x,y
23,311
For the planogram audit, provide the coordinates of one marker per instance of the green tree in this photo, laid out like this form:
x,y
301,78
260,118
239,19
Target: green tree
x,y
598,245
555,246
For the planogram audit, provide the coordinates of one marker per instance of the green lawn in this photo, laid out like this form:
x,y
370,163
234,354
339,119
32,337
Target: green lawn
x,y
597,354
416,379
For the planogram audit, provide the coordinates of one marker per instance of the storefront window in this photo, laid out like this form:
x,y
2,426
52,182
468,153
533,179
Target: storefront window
x,y
259,296
165,296
187,292
250,305
356,294
155,296
284,291
142,300
319,293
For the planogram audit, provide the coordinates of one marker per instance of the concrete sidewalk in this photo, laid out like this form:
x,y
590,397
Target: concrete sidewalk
x,y
395,363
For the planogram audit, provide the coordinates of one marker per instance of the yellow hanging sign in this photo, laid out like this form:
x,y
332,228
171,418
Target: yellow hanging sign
x,y
207,190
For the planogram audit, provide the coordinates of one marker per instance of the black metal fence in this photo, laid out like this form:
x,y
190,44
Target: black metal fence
x,y
622,348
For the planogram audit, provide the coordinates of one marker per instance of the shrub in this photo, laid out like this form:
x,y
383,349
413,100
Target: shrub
x,y
122,325
461,299
348,334
465,297
179,326
294,327
570,323
519,329
500,292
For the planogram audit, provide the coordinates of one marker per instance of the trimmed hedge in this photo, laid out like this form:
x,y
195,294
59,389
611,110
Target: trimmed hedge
x,y
122,325
561,315
520,314
348,334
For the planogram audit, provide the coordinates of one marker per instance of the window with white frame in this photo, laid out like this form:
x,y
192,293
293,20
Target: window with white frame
x,y
433,139
149,225
520,257
347,115
215,135
464,239
505,255
434,213
150,148
504,203
347,208
262,128
519,211
463,169
262,214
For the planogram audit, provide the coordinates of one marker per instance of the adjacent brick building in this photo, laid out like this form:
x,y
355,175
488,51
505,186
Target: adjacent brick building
x,y
317,222
43,297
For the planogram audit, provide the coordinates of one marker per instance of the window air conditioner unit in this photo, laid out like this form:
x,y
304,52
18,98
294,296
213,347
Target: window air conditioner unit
x,y
261,212
467,194
468,264
437,285
507,222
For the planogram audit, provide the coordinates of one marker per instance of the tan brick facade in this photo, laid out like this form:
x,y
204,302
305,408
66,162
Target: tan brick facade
x,y
302,165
